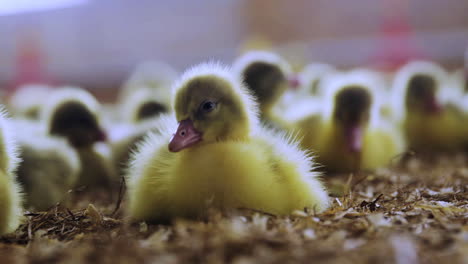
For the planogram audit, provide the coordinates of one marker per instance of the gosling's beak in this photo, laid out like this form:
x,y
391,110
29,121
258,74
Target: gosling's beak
x,y
354,137
432,106
101,136
185,136
294,82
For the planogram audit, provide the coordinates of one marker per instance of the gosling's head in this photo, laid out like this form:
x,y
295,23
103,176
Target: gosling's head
x,y
152,74
155,75
416,89
311,76
421,94
352,114
211,105
27,102
144,104
73,113
265,74
150,109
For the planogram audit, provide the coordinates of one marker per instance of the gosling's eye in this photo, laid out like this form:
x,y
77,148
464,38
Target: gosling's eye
x,y
208,106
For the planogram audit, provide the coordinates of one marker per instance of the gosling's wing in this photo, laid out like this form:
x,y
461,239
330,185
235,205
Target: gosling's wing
x,y
148,173
456,121
309,130
384,145
295,168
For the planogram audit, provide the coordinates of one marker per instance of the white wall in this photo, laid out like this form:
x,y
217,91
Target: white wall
x,y
104,39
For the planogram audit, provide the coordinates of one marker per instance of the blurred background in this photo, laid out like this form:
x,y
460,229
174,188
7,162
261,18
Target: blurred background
x,y
96,44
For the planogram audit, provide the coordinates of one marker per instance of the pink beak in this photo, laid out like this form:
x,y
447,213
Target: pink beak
x,y
432,106
185,136
294,82
354,138
101,136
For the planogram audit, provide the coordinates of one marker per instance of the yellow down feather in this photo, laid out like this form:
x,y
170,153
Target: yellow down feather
x,y
10,191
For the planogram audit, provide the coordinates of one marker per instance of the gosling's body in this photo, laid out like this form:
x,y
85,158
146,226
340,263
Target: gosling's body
x,y
10,190
124,138
380,146
246,166
49,169
97,169
223,175
444,131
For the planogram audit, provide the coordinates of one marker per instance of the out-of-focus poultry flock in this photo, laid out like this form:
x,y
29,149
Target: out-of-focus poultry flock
x,y
62,138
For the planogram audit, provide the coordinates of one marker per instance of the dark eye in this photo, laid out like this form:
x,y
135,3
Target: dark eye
x,y
208,106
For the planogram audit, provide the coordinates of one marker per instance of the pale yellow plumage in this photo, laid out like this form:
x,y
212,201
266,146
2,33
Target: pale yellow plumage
x,y
49,169
124,139
10,190
245,166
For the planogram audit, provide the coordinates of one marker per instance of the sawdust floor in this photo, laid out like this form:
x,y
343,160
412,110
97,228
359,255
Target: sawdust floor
x,y
412,212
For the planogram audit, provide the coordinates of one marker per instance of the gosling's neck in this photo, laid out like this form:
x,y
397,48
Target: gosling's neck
x,y
235,133
266,110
